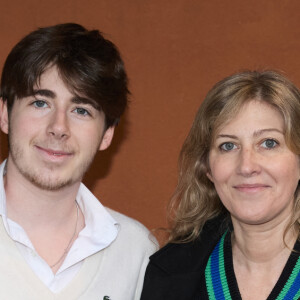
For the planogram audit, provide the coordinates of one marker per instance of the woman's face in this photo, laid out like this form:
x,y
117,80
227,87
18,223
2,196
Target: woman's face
x,y
254,172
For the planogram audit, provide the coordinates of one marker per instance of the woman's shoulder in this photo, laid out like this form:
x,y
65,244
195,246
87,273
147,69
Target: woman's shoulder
x,y
176,258
174,272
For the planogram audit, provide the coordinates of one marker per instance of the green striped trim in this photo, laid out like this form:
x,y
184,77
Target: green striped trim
x,y
222,273
222,270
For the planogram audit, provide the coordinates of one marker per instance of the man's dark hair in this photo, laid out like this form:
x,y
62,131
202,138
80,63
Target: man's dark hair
x,y
89,64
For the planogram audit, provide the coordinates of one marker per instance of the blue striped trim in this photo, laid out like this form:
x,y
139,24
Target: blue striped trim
x,y
294,289
215,273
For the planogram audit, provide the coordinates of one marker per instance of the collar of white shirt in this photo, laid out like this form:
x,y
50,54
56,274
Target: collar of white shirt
x,y
99,232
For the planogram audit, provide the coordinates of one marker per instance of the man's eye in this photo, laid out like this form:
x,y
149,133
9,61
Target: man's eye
x,y
81,111
269,144
227,146
39,104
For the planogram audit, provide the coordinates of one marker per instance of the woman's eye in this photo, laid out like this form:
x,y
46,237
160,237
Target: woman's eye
x,y
39,104
81,111
228,146
269,144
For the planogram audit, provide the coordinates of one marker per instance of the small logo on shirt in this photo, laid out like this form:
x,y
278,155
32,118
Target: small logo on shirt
x,y
106,298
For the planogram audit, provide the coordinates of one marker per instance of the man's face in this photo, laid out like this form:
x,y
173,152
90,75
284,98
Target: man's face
x,y
53,135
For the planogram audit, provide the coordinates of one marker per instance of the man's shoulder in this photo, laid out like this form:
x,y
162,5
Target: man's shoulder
x,y
131,230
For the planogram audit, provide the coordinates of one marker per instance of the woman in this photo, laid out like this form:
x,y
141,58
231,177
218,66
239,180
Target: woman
x,y
235,232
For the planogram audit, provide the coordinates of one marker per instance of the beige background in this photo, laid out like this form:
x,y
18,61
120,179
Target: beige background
x,y
174,51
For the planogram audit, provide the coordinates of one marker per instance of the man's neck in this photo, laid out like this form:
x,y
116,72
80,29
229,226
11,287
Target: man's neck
x,y
51,219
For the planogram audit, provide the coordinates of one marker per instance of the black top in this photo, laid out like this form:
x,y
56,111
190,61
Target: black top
x,y
176,272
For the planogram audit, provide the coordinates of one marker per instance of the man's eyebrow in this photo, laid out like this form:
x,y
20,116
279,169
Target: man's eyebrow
x,y
83,100
75,99
46,93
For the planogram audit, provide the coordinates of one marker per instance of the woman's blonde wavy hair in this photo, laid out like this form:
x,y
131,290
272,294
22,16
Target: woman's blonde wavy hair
x,y
195,200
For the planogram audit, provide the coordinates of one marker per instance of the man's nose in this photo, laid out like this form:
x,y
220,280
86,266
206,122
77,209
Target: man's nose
x,y
58,125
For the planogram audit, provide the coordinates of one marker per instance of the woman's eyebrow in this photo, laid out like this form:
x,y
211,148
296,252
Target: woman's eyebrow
x,y
255,134
227,136
262,131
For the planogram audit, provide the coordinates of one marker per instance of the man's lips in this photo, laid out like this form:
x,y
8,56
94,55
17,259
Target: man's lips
x,y
54,152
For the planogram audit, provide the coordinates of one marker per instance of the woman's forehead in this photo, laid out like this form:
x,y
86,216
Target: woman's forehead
x,y
254,112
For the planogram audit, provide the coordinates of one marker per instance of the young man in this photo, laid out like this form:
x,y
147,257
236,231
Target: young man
x,y
63,89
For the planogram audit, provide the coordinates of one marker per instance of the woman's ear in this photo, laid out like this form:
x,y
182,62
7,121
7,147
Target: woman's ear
x,y
4,116
208,171
209,176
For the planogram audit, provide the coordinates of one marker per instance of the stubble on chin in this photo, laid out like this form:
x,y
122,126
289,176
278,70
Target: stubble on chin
x,y
44,177
43,180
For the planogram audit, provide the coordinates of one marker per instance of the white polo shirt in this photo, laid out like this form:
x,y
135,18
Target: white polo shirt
x,y
99,232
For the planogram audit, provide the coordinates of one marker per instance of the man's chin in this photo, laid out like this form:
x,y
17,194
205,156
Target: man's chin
x,y
48,183
51,186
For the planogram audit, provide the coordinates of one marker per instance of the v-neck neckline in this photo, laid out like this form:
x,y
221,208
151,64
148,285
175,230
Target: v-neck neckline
x,y
225,284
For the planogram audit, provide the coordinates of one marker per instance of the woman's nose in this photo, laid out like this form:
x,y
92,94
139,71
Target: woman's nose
x,y
248,164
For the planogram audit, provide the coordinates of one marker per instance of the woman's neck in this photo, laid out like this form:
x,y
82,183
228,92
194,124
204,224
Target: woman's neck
x,y
254,245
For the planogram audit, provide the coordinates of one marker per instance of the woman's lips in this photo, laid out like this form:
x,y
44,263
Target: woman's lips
x,y
251,188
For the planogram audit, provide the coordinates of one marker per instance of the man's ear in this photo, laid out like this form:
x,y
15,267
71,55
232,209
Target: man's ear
x,y
107,138
3,116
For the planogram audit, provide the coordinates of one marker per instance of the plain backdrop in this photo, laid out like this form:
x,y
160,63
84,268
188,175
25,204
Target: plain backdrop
x,y
174,52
